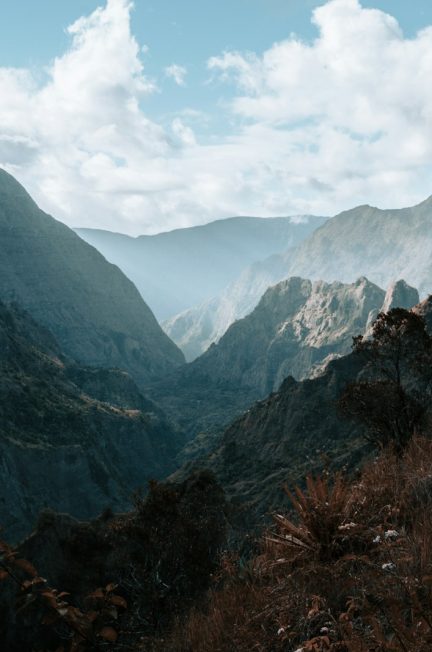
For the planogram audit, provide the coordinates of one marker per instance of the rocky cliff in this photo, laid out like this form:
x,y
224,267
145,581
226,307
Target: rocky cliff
x,y
297,327
93,310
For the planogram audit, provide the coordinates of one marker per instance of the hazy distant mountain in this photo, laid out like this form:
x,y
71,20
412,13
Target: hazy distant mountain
x,y
180,268
194,330
95,312
297,325
77,439
383,245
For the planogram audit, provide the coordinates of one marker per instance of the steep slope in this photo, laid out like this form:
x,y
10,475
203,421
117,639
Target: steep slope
x,y
294,432
296,326
180,268
383,245
195,329
72,438
93,310
282,439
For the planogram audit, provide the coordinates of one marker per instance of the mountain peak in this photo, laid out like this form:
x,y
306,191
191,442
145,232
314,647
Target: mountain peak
x,y
10,185
400,295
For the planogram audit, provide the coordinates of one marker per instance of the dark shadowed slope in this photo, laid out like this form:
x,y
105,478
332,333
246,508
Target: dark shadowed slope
x,y
180,268
72,438
94,311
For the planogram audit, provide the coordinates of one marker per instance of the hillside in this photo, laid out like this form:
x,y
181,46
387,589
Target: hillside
x,y
383,245
297,326
180,268
73,438
293,432
94,311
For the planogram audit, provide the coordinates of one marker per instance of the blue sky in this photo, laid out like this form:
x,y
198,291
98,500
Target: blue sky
x,y
186,32
231,103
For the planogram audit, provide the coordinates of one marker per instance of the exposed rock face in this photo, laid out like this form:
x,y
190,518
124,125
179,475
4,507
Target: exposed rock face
x,y
181,268
73,439
425,310
383,245
400,295
93,310
297,325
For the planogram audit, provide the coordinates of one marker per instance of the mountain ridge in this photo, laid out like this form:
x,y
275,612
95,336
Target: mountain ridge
x,y
94,311
176,269
381,244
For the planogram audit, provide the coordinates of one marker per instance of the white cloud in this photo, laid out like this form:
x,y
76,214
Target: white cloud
x,y
314,127
177,73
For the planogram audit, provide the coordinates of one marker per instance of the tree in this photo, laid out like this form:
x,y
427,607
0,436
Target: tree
x,y
392,396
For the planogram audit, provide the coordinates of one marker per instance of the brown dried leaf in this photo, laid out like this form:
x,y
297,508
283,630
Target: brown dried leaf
x,y
118,601
108,634
26,566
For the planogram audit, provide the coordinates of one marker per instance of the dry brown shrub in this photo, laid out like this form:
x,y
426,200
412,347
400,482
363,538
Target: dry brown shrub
x,y
350,570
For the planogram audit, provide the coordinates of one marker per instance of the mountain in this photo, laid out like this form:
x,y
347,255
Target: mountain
x,y
294,432
95,312
195,329
383,245
77,439
283,438
183,267
297,326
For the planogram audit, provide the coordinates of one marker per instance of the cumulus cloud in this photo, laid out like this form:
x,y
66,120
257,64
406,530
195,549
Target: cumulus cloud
x,y
313,127
177,73
354,106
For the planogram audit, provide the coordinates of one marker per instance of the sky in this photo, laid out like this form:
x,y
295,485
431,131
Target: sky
x,y
147,116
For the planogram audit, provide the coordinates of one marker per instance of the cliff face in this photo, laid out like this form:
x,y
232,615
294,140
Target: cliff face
x,y
94,311
296,325
196,329
296,328
71,438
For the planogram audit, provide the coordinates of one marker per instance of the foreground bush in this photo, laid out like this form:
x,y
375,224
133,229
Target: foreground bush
x,y
350,570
